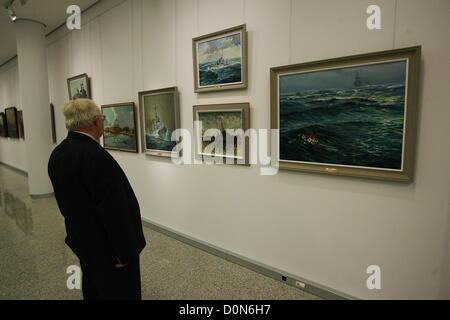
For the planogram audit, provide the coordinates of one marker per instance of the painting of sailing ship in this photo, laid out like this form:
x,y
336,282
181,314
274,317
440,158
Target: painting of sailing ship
x,y
221,130
160,119
220,60
120,127
79,87
348,115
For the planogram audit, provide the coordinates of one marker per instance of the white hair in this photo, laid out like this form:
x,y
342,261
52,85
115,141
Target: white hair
x,y
80,113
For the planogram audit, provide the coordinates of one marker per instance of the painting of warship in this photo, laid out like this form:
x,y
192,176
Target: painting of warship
x,y
221,131
120,127
220,60
348,117
160,114
79,87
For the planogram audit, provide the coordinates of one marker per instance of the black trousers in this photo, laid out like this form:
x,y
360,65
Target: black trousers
x,y
103,281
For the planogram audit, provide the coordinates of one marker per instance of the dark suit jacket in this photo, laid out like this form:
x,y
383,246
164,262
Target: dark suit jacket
x,y
101,211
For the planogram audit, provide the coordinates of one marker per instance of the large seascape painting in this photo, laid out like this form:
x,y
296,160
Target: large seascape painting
x,y
220,60
347,117
120,127
160,119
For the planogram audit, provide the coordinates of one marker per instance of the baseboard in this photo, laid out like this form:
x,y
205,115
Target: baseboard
x,y
42,196
285,277
23,172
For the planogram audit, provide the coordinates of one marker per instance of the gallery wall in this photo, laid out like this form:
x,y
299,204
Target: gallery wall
x,y
322,228
12,151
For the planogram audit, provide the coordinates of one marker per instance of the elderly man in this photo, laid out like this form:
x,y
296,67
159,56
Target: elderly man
x,y
101,212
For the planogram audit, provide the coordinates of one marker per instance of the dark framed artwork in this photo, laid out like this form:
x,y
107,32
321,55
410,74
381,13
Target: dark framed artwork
x,y
52,120
20,124
79,87
12,123
120,127
353,116
219,132
3,125
160,114
220,60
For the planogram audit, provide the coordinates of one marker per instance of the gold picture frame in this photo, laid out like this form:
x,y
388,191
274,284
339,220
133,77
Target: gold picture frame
x,y
221,60
157,128
352,116
79,87
117,135
220,118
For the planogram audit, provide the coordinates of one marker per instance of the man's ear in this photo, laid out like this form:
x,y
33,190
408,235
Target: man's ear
x,y
97,121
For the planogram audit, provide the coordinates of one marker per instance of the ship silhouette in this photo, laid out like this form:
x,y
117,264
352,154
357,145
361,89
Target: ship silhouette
x,y
116,129
359,82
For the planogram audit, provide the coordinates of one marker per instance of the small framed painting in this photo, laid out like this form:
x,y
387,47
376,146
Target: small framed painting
x,y
12,123
20,124
160,115
220,60
52,120
120,131
79,87
3,125
353,116
219,133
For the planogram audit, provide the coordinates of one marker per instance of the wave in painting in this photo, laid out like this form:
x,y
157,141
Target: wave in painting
x,y
359,126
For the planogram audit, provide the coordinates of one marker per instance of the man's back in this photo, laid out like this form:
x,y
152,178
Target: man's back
x,y
101,212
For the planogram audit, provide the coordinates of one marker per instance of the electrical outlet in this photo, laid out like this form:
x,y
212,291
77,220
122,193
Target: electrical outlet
x,y
300,284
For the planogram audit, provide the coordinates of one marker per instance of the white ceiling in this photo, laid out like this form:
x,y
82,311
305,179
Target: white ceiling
x,y
50,12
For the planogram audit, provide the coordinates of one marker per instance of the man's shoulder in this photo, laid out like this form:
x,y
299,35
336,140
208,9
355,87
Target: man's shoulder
x,y
73,148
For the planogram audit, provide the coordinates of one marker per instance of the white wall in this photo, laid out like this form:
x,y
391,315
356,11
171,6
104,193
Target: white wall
x,y
322,228
12,151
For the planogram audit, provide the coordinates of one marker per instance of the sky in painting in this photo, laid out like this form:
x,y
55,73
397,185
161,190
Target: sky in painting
x,y
123,114
228,47
342,78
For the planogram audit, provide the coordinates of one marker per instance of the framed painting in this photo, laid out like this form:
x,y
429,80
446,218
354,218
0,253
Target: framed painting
x,y
12,123
3,125
220,60
160,116
52,120
120,130
79,87
353,116
20,124
219,132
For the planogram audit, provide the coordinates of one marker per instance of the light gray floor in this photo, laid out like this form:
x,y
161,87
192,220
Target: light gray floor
x,y
34,258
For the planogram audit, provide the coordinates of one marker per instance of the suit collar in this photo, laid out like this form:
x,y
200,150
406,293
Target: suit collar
x,y
79,136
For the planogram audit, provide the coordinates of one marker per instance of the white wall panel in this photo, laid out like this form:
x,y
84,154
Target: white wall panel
x,y
322,228
326,29
117,56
